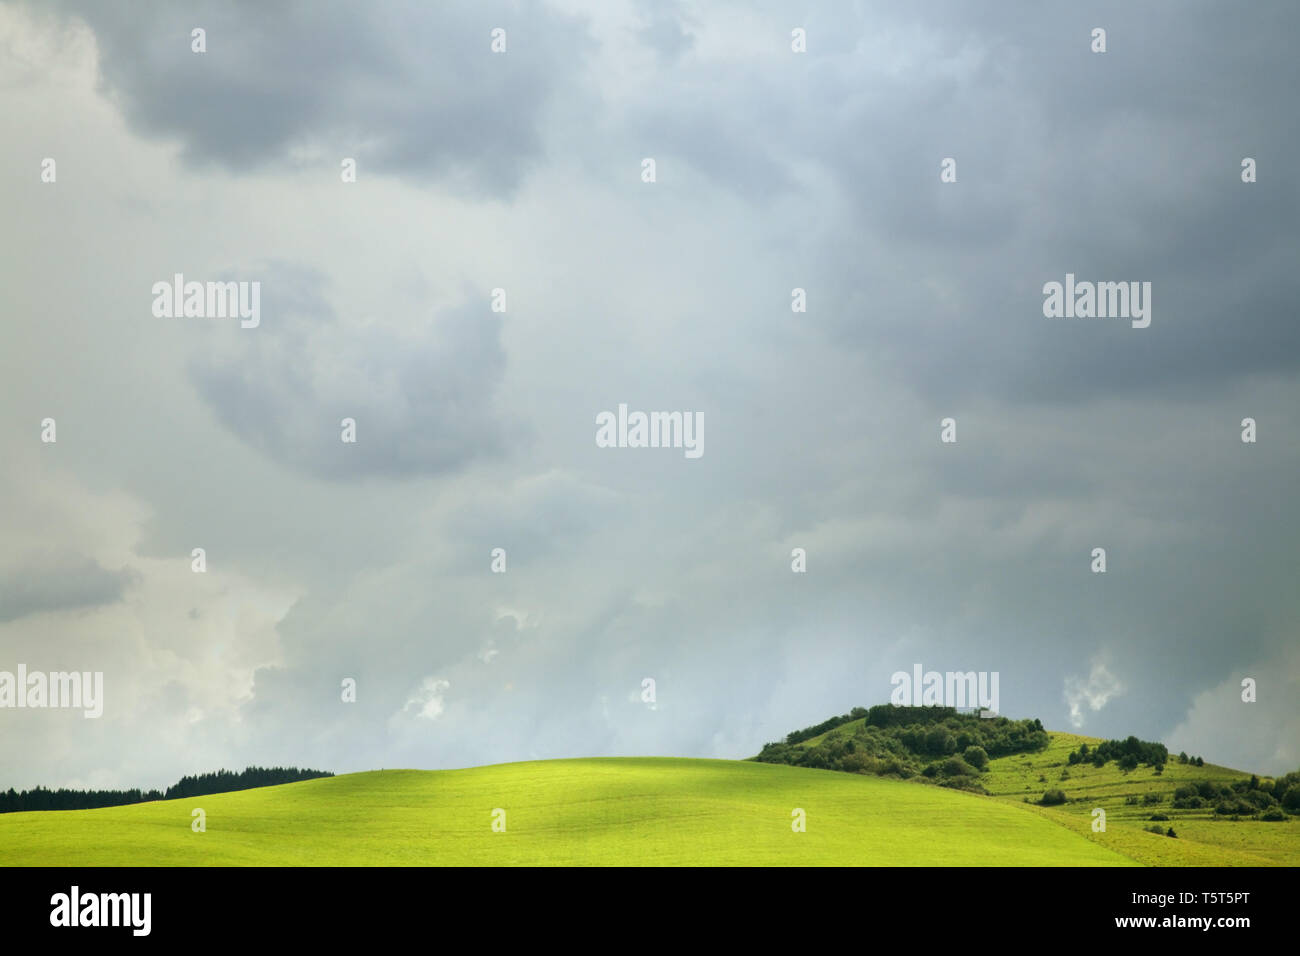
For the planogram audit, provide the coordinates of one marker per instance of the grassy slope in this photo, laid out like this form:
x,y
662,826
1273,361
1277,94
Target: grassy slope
x,y
620,811
1202,839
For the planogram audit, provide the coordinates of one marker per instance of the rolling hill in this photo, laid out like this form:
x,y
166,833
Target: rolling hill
x,y
879,786
1203,838
606,811
1129,798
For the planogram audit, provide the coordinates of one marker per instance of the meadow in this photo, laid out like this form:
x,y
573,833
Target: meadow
x,y
1129,798
606,811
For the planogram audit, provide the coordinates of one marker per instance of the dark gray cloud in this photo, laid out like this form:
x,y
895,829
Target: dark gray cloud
x,y
1116,166
776,170
399,90
59,581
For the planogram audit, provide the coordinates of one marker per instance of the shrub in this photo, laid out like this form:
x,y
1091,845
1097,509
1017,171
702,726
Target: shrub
x,y
1291,800
956,767
1260,799
1158,816
859,762
1053,798
1226,807
1273,816
1171,832
939,741
815,758
1152,798
976,756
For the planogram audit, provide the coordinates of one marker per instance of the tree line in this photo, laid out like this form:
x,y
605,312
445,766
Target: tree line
x,y
1129,753
949,748
222,781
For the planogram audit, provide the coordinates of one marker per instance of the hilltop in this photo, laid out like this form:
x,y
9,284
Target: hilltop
x,y
1219,815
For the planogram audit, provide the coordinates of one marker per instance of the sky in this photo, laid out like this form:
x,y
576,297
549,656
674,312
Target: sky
x,y
524,170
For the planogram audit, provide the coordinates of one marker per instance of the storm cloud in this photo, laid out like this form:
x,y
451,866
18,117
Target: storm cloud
x,y
498,586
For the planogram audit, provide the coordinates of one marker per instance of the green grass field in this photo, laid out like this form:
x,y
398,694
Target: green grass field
x,y
1202,838
610,811
668,811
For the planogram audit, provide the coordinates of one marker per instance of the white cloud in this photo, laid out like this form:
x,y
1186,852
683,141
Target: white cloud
x,y
1262,737
1094,692
426,701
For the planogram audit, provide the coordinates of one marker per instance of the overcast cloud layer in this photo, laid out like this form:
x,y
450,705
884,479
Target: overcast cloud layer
x,y
475,429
